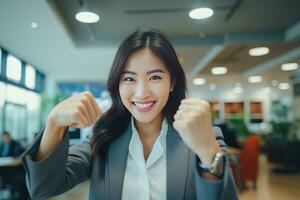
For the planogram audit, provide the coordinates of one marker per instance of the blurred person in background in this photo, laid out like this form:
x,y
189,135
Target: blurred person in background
x,y
10,147
13,175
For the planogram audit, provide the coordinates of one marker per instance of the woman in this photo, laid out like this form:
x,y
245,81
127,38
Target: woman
x,y
151,144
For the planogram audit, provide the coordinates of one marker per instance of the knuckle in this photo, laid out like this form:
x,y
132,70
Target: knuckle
x,y
76,113
88,94
81,106
206,105
84,99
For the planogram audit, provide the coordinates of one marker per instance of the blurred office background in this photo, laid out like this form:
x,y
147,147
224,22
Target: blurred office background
x,y
243,59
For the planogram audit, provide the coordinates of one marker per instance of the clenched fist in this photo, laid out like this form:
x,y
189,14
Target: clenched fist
x,y
78,111
193,123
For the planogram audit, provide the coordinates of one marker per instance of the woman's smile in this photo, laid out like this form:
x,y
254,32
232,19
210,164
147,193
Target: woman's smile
x,y
143,106
145,85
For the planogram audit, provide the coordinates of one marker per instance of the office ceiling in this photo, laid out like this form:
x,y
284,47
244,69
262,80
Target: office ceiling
x,y
62,47
238,60
234,18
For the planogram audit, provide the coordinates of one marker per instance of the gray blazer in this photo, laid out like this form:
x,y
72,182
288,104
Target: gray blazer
x,y
66,167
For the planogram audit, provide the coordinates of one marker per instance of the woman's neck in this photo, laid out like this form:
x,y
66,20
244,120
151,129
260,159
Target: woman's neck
x,y
148,133
150,129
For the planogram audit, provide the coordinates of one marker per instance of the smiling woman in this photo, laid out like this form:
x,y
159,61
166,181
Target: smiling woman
x,y
153,143
145,89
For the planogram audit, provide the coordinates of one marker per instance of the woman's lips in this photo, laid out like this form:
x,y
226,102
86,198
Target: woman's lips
x,y
143,106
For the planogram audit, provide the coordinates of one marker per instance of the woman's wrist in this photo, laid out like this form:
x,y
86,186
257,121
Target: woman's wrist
x,y
207,154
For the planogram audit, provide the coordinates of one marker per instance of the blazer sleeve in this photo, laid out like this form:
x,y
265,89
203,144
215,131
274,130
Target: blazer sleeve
x,y
216,190
60,171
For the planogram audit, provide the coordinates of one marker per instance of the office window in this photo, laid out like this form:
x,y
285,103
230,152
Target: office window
x,y
13,68
33,102
30,77
14,111
0,61
15,94
2,99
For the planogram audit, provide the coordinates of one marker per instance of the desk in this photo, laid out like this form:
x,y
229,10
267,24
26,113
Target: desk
x,y
6,164
12,173
9,161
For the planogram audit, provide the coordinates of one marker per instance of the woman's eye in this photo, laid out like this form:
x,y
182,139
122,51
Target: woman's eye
x,y
155,78
128,79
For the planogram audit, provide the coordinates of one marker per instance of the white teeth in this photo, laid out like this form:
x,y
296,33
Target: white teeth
x,y
144,105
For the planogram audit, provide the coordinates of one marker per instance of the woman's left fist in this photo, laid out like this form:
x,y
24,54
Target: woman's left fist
x,y
193,123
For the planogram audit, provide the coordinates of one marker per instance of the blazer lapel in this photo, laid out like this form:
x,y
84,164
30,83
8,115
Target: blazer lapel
x,y
177,165
117,160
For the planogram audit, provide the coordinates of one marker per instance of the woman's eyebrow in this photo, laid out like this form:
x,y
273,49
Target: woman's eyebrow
x,y
155,70
149,72
128,72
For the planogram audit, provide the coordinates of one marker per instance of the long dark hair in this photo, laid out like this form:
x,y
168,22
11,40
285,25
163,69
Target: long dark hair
x,y
116,120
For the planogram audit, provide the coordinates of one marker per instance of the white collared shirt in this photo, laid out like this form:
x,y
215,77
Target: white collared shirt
x,y
146,180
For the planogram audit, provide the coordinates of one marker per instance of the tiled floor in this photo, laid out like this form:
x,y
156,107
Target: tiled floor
x,y
270,186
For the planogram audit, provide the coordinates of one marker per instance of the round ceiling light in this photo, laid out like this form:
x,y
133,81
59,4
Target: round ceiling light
x,y
289,66
255,79
259,51
199,81
201,13
284,86
87,17
219,70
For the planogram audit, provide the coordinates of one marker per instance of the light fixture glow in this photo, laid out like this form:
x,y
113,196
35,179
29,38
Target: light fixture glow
x,y
87,17
34,25
201,13
199,81
212,86
219,70
238,90
259,51
283,86
289,66
255,79
274,82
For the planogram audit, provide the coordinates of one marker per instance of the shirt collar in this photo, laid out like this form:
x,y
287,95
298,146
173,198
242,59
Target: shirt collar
x,y
136,146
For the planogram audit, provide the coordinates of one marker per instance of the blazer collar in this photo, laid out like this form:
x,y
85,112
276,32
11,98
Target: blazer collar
x,y
117,160
177,165
177,161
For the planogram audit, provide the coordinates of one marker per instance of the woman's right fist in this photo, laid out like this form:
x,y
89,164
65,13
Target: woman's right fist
x,y
78,111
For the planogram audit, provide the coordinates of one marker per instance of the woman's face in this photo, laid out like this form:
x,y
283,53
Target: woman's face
x,y
145,85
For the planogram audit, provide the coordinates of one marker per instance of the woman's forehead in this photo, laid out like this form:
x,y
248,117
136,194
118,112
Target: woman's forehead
x,y
144,60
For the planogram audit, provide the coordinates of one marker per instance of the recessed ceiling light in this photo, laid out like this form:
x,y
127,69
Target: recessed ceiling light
x,y
283,86
199,81
274,82
259,51
212,86
34,25
87,17
255,79
238,90
219,70
201,13
289,66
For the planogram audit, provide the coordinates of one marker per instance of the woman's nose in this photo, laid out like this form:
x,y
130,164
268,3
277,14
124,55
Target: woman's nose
x,y
142,90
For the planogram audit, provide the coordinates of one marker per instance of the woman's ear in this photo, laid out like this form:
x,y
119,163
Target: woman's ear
x,y
172,87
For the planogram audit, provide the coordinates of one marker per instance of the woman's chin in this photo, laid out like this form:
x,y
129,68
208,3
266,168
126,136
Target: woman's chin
x,y
143,119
